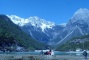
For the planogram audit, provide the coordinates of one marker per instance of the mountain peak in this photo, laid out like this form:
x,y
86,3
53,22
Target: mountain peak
x,y
42,23
34,18
81,14
82,11
63,24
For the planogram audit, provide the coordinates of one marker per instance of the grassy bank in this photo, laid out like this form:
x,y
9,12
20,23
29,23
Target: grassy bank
x,y
40,57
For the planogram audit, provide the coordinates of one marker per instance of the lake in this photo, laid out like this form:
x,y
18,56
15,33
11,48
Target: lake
x,y
38,53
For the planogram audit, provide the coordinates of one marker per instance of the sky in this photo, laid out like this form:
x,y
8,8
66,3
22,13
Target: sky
x,y
57,11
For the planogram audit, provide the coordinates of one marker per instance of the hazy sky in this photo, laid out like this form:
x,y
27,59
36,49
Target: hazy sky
x,y
57,11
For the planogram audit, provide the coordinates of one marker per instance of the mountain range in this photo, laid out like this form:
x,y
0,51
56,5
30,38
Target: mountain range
x,y
51,33
39,29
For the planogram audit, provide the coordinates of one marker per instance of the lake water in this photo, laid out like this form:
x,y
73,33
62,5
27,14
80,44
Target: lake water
x,y
38,53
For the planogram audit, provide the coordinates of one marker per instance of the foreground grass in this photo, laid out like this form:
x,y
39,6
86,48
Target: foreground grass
x,y
40,57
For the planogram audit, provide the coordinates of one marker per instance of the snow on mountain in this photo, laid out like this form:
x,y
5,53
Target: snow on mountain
x,y
81,14
34,21
38,22
17,20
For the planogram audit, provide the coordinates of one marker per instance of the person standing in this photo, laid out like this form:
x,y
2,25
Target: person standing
x,y
52,53
42,52
85,54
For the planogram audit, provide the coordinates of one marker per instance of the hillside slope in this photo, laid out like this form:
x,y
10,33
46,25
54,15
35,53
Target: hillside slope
x,y
13,38
75,43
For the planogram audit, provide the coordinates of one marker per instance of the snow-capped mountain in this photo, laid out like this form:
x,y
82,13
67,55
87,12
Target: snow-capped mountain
x,y
34,21
81,14
18,20
49,32
38,28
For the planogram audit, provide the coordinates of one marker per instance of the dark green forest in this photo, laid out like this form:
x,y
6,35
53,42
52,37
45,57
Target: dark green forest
x,y
75,43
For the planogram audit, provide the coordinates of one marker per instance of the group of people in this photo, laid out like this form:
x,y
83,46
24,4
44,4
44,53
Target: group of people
x,y
50,52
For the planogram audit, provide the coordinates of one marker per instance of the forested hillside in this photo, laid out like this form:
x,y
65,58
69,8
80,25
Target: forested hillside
x,y
75,43
12,37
